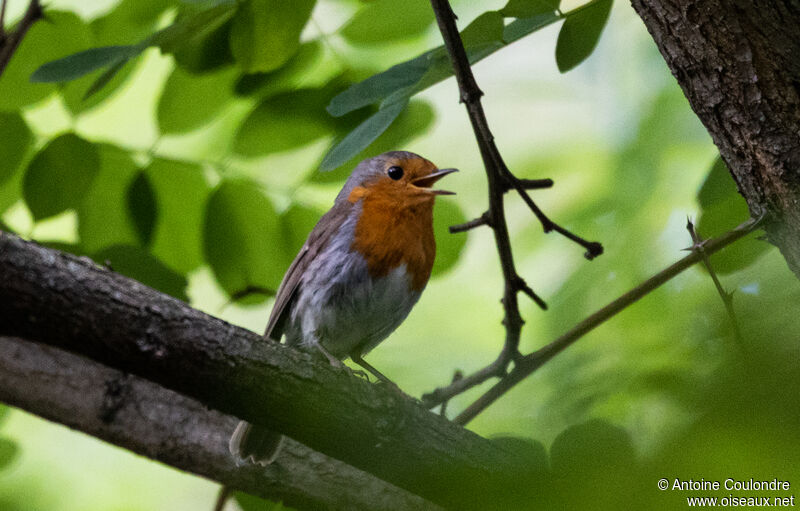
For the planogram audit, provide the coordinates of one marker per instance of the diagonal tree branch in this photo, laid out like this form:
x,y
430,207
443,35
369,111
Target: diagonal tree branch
x,y
500,180
166,426
71,303
10,40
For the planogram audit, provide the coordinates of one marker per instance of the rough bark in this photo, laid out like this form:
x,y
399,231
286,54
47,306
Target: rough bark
x,y
737,62
163,425
71,303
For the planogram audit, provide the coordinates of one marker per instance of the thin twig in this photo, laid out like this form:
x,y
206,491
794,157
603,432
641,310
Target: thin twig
x,y
727,298
532,184
11,40
222,498
2,21
481,220
470,95
458,375
500,180
528,364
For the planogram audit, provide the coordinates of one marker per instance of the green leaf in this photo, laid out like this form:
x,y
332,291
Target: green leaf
x,y
722,208
189,101
413,122
142,208
138,264
590,447
528,8
9,450
285,78
284,122
519,28
296,224
84,62
580,32
208,54
717,186
448,246
362,136
382,21
61,34
379,86
103,219
60,176
184,32
15,141
191,29
249,502
181,191
485,29
406,79
241,238
266,33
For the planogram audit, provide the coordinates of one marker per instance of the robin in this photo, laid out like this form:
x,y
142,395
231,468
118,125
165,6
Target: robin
x,y
359,273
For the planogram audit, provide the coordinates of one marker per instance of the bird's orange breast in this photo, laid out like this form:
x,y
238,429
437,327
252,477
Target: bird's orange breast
x,y
391,232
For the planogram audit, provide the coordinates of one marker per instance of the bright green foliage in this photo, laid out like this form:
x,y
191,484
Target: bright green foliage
x,y
296,223
210,52
722,209
362,136
9,450
102,221
528,8
64,34
284,121
60,176
79,64
188,101
181,191
142,208
249,502
448,246
382,21
240,238
15,141
183,32
138,264
580,32
414,121
287,77
266,33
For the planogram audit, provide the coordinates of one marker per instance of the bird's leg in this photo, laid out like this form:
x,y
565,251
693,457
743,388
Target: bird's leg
x,y
335,362
356,357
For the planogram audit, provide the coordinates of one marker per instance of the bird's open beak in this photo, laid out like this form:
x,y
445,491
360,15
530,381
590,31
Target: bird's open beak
x,y
430,179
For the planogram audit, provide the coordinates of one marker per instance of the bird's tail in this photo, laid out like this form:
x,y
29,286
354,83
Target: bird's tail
x,y
259,445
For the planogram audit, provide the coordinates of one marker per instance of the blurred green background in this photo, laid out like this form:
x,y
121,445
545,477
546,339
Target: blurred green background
x,y
204,184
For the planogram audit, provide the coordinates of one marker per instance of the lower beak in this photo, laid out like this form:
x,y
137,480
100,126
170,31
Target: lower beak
x,y
430,179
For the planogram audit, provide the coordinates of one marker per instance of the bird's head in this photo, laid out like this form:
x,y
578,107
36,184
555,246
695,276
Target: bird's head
x,y
397,176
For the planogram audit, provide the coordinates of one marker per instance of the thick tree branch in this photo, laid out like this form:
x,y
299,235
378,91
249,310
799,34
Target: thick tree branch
x,y
500,180
166,426
73,304
10,40
737,63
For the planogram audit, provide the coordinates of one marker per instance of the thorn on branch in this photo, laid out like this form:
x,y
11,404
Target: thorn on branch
x,y
698,245
481,220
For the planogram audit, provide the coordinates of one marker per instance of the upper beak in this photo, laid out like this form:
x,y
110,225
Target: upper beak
x,y
430,179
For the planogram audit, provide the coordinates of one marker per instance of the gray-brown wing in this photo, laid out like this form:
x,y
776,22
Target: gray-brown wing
x,y
316,242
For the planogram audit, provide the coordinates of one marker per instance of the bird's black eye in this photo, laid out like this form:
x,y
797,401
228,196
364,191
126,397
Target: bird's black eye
x,y
395,172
